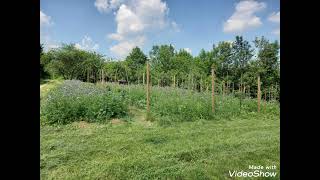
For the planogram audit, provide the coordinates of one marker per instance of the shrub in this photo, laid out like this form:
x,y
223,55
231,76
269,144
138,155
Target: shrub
x,y
75,101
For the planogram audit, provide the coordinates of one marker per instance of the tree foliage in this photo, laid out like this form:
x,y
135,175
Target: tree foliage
x,y
234,63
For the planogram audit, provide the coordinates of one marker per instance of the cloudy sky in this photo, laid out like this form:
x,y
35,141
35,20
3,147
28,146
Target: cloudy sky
x,y
114,27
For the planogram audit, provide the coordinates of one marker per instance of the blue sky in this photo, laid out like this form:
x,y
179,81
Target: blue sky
x,y
114,27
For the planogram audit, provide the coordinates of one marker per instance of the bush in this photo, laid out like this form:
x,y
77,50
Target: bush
x,y
75,101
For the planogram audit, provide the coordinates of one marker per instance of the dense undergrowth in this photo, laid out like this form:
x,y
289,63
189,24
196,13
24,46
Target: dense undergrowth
x,y
78,101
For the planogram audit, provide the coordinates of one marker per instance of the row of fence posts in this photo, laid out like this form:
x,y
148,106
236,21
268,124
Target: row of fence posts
x,y
148,89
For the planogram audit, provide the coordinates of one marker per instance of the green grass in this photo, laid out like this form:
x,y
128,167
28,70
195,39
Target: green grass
x,y
46,85
139,149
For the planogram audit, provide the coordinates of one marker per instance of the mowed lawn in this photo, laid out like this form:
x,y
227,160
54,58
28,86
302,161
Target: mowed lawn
x,y
136,149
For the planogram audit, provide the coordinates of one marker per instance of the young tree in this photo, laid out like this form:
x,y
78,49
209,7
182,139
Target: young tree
x,y
135,62
241,55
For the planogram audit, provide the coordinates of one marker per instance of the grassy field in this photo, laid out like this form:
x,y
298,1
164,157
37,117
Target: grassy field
x,y
132,148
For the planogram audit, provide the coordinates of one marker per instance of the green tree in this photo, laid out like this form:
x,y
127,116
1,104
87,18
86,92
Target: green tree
x,y
135,63
72,63
43,73
269,64
241,55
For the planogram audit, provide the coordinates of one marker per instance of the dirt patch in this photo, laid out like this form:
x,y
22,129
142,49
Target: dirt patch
x,y
116,121
82,124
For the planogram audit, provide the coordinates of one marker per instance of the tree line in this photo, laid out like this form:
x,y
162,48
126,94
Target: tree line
x,y
237,65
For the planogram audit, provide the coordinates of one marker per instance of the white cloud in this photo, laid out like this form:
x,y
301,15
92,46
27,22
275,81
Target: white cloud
x,y
188,50
87,44
274,17
134,19
105,6
244,17
45,20
128,21
102,5
123,48
45,32
48,42
115,36
140,15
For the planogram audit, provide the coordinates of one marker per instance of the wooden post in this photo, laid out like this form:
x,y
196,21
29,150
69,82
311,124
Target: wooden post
x,y
94,77
223,88
228,84
265,101
269,94
102,76
212,83
148,89
232,87
201,84
241,88
259,94
192,85
158,82
174,81
276,91
272,92
88,76
143,79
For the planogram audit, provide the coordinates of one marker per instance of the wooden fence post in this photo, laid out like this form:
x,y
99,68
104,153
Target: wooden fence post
x,y
223,88
201,84
232,87
148,90
259,94
265,101
269,94
102,76
244,89
192,84
88,76
143,79
272,92
174,81
212,83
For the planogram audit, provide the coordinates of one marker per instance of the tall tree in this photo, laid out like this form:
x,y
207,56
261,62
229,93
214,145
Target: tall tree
x,y
135,62
241,55
269,63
